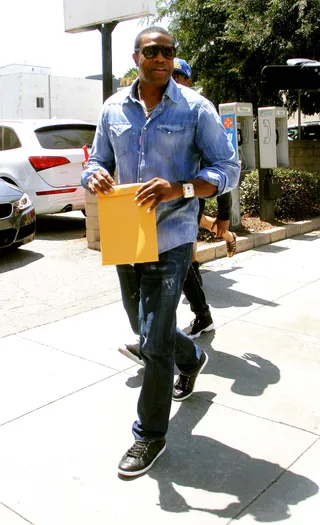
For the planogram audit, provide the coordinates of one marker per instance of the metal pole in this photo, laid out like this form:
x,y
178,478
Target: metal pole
x,y
266,206
106,30
299,114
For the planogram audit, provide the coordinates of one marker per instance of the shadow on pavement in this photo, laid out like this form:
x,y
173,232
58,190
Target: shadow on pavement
x,y
60,227
203,463
220,295
252,374
270,248
307,237
17,258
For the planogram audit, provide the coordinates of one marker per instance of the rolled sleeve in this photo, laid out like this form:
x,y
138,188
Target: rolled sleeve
x,y
219,166
101,155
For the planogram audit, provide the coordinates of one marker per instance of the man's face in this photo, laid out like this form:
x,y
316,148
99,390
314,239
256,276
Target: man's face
x,y
156,70
180,78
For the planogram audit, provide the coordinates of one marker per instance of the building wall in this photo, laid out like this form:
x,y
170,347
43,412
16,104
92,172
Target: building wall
x,y
10,96
64,97
304,155
11,69
33,86
78,98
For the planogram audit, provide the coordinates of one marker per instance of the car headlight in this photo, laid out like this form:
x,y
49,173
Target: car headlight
x,y
22,203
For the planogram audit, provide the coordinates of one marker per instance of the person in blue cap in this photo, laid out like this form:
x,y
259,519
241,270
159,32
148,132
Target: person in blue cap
x,y
192,289
182,72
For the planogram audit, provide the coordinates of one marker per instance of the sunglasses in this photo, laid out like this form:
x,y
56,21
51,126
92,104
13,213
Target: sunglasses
x,y
152,51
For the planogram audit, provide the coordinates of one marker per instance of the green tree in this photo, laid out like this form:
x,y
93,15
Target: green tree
x,y
129,77
228,42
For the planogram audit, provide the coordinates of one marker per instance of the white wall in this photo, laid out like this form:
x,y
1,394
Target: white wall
x,y
76,98
64,97
11,69
293,120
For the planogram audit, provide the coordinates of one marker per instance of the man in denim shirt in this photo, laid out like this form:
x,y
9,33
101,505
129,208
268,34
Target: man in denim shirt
x,y
156,133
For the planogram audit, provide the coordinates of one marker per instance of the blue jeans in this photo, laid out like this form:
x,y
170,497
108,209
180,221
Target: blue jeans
x,y
161,343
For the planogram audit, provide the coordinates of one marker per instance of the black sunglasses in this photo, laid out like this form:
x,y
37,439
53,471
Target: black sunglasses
x,y
153,50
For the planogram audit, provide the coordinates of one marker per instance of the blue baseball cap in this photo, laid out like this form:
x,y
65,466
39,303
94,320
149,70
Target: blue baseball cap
x,y
181,66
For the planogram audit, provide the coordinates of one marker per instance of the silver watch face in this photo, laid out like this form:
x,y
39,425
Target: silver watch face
x,y
188,190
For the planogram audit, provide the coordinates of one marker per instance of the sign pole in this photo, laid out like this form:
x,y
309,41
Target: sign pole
x,y
106,31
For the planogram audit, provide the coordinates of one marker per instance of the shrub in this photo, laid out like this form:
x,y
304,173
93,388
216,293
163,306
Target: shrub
x,y
300,194
211,208
249,195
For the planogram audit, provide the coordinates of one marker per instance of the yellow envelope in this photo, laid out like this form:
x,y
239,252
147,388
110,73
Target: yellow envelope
x,y
128,234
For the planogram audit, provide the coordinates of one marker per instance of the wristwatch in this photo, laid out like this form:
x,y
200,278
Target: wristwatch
x,y
187,189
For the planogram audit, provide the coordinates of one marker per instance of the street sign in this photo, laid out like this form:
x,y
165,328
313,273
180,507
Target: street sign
x,y
85,15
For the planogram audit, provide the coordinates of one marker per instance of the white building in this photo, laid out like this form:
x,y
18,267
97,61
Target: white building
x,y
32,92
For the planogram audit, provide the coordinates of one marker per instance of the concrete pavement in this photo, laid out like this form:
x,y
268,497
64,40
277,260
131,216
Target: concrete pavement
x,y
244,448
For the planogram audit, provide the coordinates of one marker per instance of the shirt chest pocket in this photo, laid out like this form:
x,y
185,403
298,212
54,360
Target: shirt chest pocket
x,y
173,138
121,138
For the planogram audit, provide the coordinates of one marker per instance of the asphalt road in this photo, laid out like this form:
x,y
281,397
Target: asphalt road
x,y
53,277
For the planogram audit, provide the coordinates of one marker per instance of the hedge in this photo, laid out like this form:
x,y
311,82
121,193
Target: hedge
x,y
300,195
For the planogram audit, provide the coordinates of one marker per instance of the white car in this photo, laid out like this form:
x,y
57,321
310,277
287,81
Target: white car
x,y
44,158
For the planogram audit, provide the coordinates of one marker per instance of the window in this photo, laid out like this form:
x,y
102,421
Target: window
x,y
10,139
40,102
66,136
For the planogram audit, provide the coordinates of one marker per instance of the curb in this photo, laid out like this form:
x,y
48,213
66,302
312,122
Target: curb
x,y
208,252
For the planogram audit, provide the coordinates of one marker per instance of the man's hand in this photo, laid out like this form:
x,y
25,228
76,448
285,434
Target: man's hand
x,y
101,183
157,190
220,227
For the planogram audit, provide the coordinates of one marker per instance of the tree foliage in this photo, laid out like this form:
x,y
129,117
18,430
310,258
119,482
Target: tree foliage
x,y
129,77
228,42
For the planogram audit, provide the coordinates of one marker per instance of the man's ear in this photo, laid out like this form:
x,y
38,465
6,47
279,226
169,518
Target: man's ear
x,y
135,58
188,82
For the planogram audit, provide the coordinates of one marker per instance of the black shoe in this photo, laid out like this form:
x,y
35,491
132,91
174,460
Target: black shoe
x,y
132,351
140,457
202,323
184,386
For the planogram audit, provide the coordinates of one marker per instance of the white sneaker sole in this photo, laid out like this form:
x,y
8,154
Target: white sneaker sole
x,y
142,471
208,329
124,351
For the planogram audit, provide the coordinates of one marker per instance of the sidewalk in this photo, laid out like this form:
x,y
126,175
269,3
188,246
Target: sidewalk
x,y
244,448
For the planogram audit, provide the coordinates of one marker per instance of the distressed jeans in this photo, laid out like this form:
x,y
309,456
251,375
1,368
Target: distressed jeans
x,y
151,292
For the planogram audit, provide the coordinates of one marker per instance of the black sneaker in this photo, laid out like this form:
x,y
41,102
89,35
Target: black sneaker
x,y
140,457
202,323
132,351
184,386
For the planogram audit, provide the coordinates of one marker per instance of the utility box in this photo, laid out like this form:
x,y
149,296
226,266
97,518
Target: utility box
x,y
273,137
237,119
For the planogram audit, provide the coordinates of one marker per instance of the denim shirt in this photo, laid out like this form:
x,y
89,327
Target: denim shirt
x,y
183,129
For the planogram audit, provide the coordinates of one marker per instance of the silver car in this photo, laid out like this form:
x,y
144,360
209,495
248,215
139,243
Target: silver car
x,y
44,158
17,217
